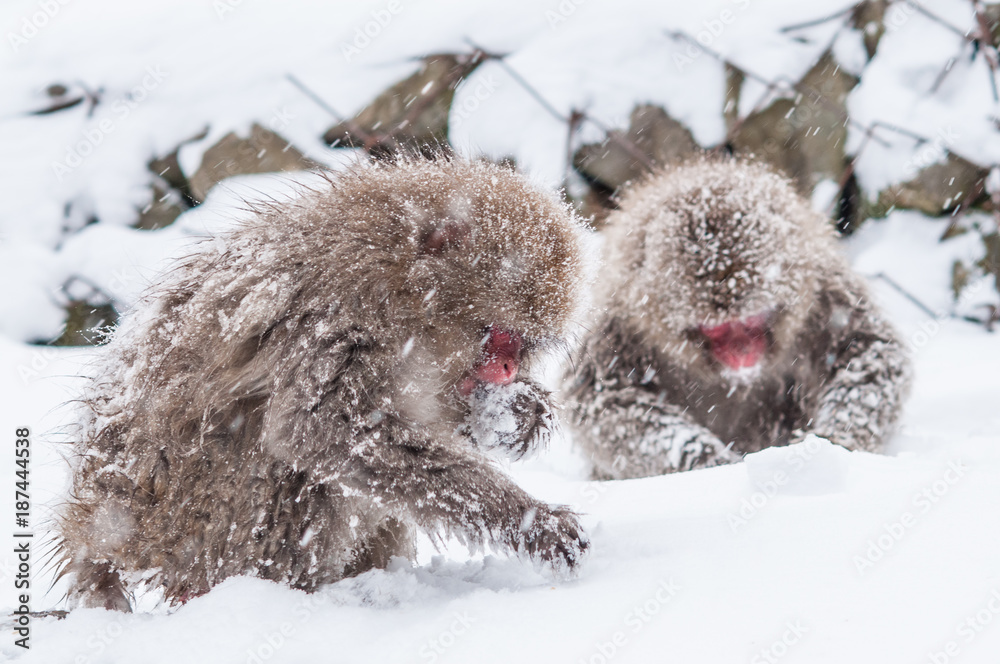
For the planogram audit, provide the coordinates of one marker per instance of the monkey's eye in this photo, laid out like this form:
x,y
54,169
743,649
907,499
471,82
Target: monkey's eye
x,y
450,234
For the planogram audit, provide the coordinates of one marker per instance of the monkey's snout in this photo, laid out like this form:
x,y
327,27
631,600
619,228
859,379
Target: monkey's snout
x,y
738,344
501,360
498,370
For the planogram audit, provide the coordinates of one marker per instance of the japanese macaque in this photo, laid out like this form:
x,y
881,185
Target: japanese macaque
x,y
307,391
731,323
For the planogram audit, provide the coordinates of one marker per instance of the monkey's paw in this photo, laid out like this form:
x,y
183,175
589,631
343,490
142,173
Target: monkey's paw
x,y
553,537
690,448
515,419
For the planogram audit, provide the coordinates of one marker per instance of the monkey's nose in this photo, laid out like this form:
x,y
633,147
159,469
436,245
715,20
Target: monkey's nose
x,y
500,362
498,370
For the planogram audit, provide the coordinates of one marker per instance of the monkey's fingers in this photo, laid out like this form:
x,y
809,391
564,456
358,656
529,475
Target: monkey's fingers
x,y
554,537
700,453
537,422
516,419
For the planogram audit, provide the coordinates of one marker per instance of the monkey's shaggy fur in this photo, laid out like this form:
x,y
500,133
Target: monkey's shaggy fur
x,y
712,241
285,405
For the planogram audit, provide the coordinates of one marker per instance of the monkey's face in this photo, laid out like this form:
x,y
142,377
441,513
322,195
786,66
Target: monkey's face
x,y
714,271
736,280
496,271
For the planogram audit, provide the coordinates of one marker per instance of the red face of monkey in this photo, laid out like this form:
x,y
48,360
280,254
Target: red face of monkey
x,y
739,344
498,363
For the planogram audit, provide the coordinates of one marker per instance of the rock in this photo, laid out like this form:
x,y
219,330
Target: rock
x,y
991,12
658,139
170,191
86,323
959,278
414,111
938,188
869,17
805,136
164,207
60,97
990,263
652,139
168,169
262,152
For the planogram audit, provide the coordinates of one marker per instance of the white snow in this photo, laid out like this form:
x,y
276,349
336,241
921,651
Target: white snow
x,y
802,554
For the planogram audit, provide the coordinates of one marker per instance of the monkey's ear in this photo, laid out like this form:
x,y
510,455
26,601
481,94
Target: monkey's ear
x,y
448,234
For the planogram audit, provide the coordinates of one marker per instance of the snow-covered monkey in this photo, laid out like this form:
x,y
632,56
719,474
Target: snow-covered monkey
x,y
293,404
731,323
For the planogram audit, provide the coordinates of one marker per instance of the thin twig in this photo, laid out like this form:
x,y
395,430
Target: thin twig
x,y
984,37
940,21
623,141
576,116
907,294
793,85
322,103
438,87
819,21
352,126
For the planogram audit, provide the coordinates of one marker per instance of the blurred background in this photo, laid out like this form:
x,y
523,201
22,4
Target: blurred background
x,y
118,120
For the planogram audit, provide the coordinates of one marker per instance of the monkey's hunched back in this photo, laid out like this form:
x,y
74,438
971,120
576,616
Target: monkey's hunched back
x,y
731,323
298,396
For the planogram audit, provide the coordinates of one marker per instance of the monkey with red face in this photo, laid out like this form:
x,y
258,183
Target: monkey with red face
x,y
731,323
294,405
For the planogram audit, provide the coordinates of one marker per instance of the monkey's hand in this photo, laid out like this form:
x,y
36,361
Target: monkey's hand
x,y
552,535
515,419
868,383
641,435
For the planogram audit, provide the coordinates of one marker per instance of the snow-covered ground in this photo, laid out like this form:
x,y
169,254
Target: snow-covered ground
x,y
801,554
806,554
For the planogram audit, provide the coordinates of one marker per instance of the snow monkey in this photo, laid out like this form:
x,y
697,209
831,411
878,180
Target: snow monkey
x,y
730,323
294,402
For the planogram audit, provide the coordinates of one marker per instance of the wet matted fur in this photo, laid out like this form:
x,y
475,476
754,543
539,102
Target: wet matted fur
x,y
706,242
283,405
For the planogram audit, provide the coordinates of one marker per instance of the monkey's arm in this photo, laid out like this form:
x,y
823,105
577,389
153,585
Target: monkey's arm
x,y
348,432
867,382
628,429
447,487
630,432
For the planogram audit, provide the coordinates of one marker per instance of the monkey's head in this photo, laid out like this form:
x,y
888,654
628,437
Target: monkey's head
x,y
488,268
716,264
